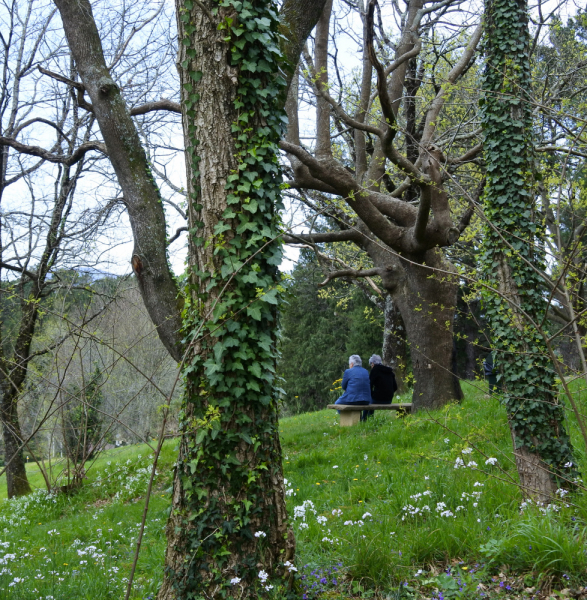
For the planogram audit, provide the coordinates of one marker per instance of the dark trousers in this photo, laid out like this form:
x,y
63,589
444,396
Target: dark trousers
x,y
369,413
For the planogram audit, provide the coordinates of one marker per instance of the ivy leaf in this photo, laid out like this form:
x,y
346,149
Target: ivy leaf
x,y
254,311
270,297
200,435
255,369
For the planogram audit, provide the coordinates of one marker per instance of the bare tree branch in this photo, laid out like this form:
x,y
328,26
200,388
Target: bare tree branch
x,y
72,159
355,273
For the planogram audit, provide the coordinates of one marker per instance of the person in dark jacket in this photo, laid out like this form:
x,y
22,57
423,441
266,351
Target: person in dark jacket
x,y
382,382
491,375
355,383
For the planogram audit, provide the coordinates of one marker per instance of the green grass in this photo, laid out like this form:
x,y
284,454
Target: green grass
x,y
380,468
390,468
82,545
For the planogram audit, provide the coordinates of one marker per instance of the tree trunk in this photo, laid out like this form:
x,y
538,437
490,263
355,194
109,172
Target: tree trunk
x,y
427,303
229,520
12,377
394,343
514,299
17,483
141,195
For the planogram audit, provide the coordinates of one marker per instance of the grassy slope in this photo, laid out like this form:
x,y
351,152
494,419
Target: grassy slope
x,y
375,468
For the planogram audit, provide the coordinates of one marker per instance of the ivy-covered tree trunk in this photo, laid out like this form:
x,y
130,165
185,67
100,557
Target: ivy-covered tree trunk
x,y
511,248
228,534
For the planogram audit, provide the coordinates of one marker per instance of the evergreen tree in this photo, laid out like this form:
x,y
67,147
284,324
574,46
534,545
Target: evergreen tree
x,y
82,422
320,330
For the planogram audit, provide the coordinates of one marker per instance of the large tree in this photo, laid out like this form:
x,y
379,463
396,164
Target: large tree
x,y
514,297
228,482
365,140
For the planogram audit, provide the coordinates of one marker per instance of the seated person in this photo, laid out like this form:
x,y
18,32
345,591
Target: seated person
x,y
383,384
355,383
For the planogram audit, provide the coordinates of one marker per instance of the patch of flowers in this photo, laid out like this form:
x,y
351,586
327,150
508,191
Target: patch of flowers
x,y
321,581
25,510
289,491
41,558
128,479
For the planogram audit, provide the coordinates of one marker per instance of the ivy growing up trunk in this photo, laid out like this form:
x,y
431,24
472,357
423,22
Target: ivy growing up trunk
x,y
512,258
228,534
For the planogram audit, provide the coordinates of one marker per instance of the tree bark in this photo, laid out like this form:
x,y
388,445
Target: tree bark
x,y
426,300
12,377
394,343
229,482
297,19
127,156
17,483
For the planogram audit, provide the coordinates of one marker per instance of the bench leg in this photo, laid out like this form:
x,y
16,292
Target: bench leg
x,y
347,419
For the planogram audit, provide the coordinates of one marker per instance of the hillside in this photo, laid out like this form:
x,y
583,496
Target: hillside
x,y
410,507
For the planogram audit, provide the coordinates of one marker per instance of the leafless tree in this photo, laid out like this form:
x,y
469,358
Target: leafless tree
x,y
61,203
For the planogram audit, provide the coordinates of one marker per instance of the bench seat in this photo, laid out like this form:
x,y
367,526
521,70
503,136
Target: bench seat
x,y
350,414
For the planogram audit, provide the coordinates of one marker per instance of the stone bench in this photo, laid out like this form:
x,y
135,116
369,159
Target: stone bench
x,y
350,414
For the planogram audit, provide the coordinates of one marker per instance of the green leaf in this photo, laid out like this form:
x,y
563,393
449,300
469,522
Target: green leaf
x,y
254,311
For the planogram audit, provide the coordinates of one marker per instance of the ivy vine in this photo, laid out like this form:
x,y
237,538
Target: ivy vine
x,y
529,386
230,461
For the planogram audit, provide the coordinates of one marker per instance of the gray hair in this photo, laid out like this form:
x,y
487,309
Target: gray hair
x,y
355,359
375,360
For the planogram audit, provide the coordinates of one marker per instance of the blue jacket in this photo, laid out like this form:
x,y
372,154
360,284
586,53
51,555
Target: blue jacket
x,y
356,386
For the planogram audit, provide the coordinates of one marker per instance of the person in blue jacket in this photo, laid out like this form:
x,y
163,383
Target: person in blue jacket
x,y
355,383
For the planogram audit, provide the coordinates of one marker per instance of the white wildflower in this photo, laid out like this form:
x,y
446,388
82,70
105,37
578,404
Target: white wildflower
x,y
290,567
263,576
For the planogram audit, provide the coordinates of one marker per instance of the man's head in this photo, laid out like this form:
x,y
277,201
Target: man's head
x,y
355,361
375,360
